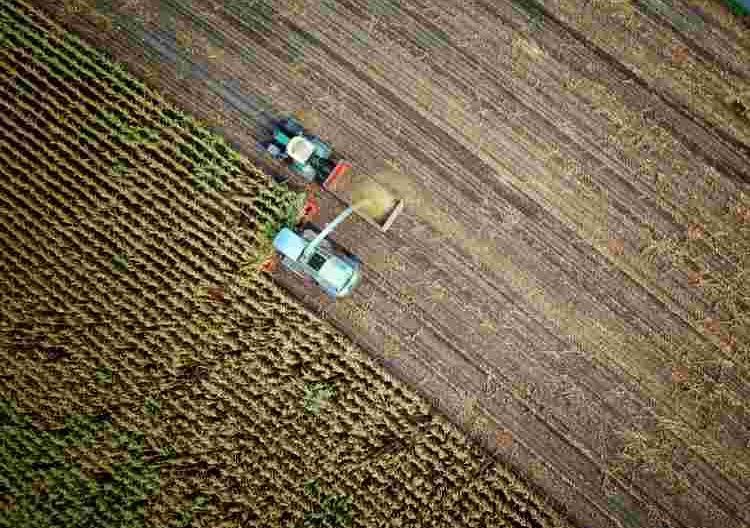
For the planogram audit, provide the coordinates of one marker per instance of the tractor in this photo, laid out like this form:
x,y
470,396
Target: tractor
x,y
308,156
305,154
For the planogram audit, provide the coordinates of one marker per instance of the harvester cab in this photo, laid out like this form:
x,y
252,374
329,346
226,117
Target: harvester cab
x,y
309,254
305,154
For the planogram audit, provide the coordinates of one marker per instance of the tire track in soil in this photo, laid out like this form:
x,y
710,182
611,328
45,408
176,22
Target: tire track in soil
x,y
703,48
432,135
717,147
428,356
477,171
176,89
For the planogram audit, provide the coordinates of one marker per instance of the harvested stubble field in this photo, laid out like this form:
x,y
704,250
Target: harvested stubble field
x,y
569,279
152,375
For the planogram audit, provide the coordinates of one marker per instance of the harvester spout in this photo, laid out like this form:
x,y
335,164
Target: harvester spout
x,y
333,224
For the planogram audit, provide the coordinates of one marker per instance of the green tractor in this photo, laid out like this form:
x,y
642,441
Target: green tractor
x,y
305,154
308,156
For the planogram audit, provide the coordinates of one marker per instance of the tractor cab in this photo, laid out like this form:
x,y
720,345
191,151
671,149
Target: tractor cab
x,y
305,154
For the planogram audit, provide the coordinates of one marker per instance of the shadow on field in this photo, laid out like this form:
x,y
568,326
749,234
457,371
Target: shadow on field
x,y
161,45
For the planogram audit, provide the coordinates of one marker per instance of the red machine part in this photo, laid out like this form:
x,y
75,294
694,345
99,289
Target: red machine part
x,y
270,265
338,171
311,209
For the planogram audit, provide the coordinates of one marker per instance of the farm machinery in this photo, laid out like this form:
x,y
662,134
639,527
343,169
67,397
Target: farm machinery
x,y
309,254
308,156
305,154
305,250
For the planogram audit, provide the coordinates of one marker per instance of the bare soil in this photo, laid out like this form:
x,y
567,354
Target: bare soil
x,y
568,279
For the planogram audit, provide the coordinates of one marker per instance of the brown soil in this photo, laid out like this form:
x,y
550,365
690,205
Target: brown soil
x,y
572,197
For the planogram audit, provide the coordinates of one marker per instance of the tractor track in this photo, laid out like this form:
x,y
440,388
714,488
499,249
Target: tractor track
x,y
474,166
675,115
709,56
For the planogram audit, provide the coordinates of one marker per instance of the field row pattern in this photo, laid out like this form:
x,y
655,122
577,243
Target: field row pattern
x,y
124,295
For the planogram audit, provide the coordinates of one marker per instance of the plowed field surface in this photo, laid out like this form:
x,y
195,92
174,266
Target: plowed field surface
x,y
569,278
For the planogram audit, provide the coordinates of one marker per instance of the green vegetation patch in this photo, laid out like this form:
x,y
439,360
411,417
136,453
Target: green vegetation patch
x,y
43,483
316,395
533,11
384,8
331,511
